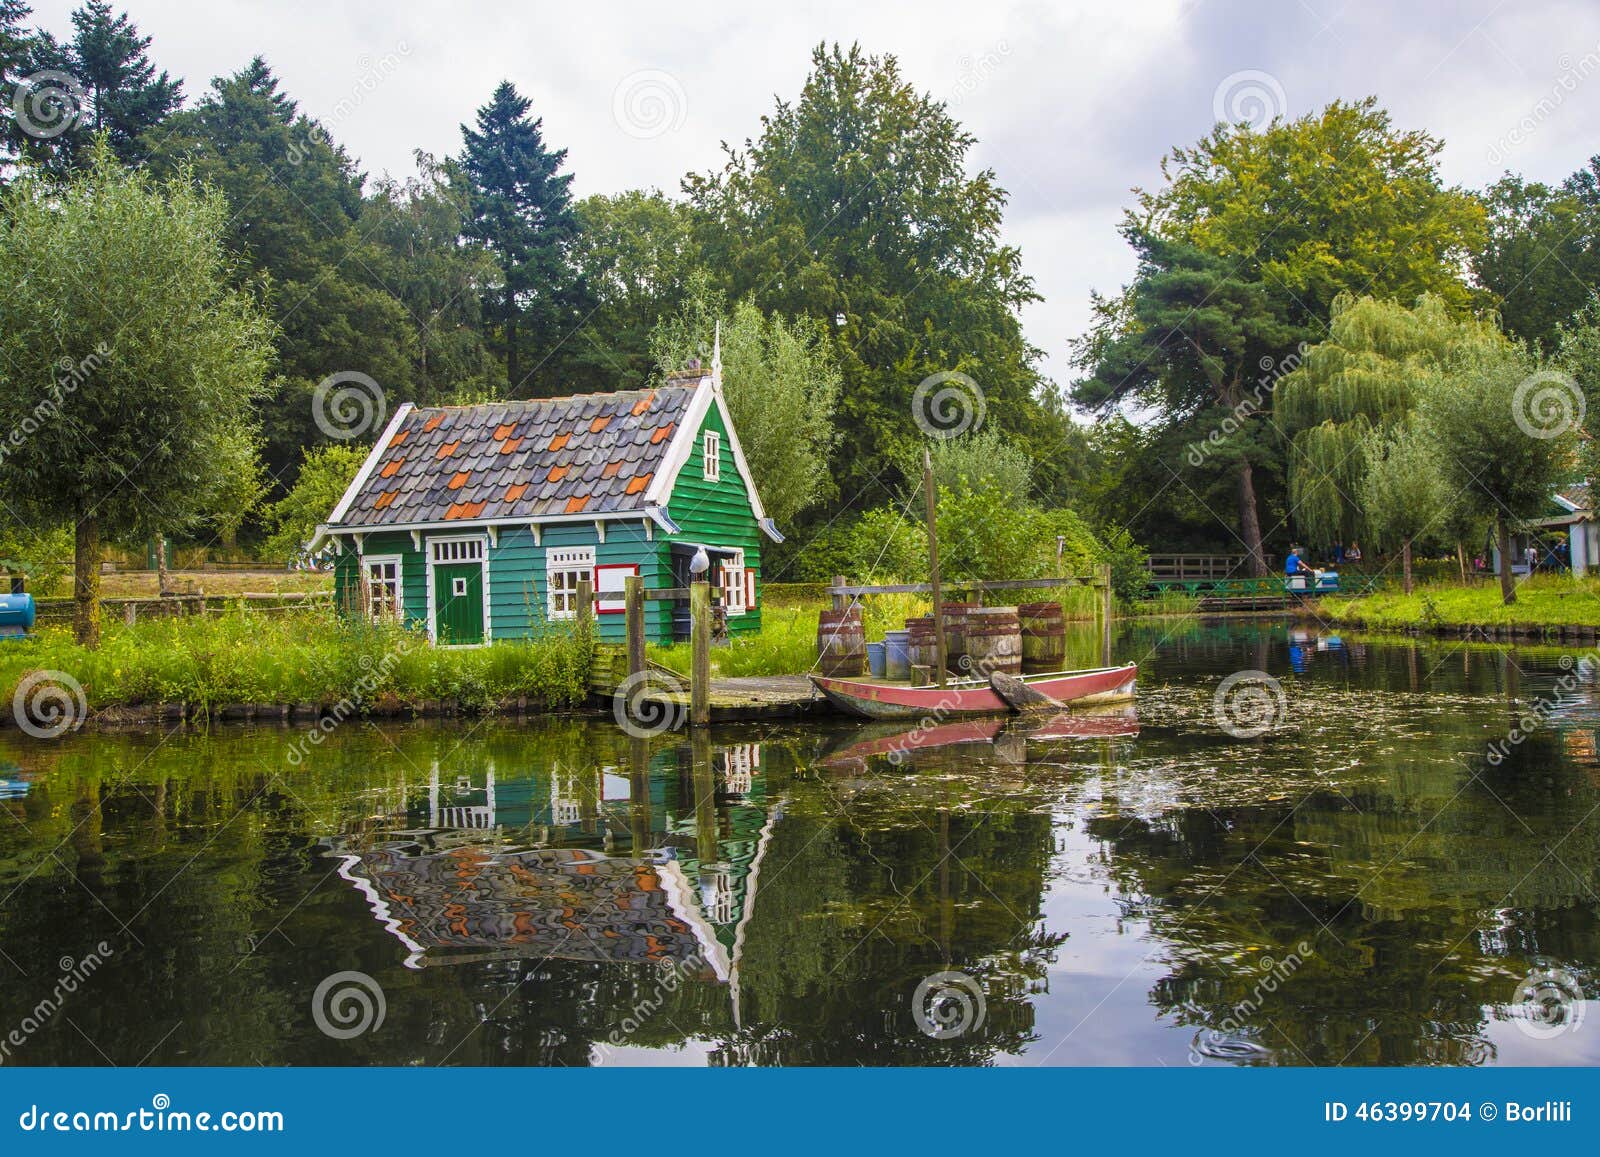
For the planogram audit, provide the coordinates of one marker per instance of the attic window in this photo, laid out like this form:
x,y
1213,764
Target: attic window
x,y
711,452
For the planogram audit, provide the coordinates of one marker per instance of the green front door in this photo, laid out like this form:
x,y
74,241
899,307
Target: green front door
x,y
458,603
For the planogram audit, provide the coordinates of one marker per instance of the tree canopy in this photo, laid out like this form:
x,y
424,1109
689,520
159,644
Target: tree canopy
x,y
131,360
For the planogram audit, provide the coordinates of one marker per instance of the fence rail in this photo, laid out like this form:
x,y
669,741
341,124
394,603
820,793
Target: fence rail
x,y
1181,567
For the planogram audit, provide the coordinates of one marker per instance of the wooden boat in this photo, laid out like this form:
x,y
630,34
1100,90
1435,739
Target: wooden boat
x,y
879,699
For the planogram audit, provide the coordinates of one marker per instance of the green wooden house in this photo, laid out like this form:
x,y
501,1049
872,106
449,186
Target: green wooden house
x,y
478,522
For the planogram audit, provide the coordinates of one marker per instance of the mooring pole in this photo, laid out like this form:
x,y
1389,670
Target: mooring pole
x,y
585,600
933,565
633,605
1105,618
699,652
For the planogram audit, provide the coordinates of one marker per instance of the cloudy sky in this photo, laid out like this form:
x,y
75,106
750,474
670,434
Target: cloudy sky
x,y
1072,103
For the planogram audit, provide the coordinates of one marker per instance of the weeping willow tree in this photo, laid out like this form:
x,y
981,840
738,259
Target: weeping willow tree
x,y
1363,380
1403,494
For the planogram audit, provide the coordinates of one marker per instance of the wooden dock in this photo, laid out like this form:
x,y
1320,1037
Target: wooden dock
x,y
732,699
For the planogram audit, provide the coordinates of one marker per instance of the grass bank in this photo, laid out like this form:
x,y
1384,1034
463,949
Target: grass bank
x,y
240,656
1544,601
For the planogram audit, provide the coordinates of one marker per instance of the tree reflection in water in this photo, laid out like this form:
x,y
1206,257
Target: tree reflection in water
x,y
1361,885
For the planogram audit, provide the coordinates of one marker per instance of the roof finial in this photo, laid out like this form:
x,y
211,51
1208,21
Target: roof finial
x,y
716,352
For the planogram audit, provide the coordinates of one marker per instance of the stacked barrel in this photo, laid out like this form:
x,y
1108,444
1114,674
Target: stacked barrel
x,y
956,657
994,641
841,643
979,641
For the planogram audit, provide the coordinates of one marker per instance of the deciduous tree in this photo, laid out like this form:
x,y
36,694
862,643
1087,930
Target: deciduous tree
x,y
131,360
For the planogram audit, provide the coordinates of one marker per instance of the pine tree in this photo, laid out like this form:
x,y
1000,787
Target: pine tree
x,y
522,214
123,96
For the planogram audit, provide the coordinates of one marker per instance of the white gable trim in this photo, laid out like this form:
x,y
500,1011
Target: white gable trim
x,y
681,446
686,438
371,463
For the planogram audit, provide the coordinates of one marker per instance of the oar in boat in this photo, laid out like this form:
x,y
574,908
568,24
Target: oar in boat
x,y
1020,696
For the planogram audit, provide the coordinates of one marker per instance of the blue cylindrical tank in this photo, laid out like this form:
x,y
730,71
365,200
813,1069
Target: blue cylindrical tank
x,y
17,612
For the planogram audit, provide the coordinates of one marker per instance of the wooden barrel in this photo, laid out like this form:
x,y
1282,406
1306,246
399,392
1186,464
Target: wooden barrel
x,y
955,634
1044,637
923,645
841,643
994,641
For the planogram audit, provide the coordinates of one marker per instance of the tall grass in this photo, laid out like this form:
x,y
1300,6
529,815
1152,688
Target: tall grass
x,y
1544,600
248,656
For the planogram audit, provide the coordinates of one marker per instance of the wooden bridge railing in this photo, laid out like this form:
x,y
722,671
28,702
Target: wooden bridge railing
x,y
1188,567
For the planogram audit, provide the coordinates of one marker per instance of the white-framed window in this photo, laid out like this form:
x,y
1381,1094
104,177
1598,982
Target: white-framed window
x,y
381,575
711,451
735,592
564,568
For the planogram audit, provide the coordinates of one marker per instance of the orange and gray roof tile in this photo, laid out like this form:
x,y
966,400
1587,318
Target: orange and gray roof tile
x,y
588,454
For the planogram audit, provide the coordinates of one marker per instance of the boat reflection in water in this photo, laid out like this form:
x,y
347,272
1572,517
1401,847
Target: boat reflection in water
x,y
500,869
1008,736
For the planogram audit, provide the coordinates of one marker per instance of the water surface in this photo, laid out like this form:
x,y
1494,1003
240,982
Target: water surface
x,y
1381,876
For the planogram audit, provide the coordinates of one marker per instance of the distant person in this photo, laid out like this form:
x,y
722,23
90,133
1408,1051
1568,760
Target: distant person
x,y
1354,553
1531,557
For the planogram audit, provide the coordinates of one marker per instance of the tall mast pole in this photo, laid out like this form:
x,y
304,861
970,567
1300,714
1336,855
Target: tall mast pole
x,y
933,564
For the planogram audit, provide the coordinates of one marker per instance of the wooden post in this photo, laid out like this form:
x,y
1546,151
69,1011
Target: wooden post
x,y
700,653
1106,613
633,599
933,566
840,602
585,600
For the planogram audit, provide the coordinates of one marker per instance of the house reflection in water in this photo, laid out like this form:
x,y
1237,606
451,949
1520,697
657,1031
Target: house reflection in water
x,y
652,864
